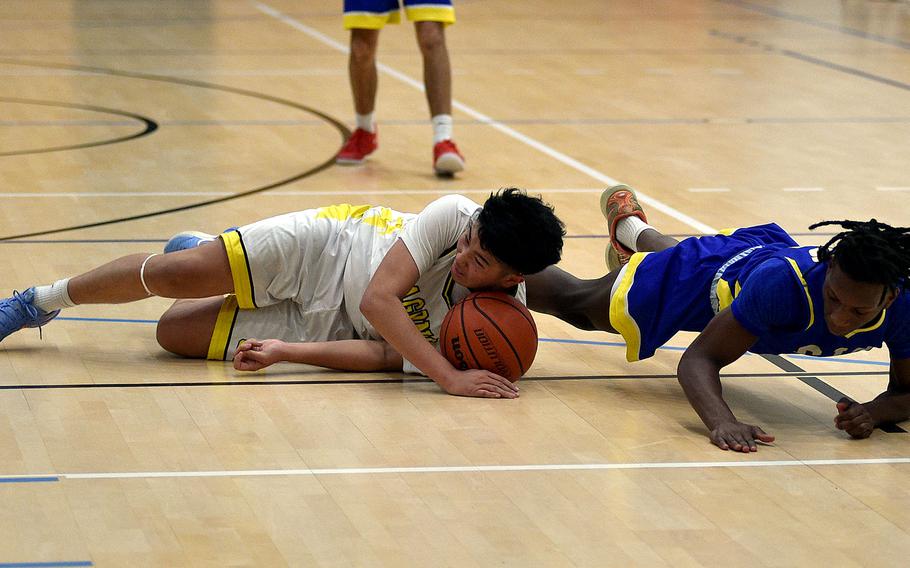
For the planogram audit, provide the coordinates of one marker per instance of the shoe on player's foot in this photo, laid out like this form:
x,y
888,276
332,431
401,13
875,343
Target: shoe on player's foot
x,y
20,311
187,240
361,144
447,160
617,203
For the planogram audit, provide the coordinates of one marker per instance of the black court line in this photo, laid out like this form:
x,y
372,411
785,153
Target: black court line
x,y
812,60
398,381
776,13
821,386
342,129
149,126
595,121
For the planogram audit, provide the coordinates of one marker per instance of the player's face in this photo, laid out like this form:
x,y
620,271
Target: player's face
x,y
852,305
476,268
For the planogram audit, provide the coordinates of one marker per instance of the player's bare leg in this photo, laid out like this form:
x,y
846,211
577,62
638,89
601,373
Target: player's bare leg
x,y
186,327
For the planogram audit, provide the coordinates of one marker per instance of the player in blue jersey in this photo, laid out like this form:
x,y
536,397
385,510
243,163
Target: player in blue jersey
x,y
752,289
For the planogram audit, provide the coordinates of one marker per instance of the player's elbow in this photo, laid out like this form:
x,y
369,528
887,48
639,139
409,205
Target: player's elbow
x,y
370,305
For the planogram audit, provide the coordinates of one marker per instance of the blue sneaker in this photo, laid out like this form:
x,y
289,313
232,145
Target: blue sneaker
x,y
19,312
187,240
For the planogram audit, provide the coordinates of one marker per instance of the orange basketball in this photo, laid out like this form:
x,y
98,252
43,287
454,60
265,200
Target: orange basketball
x,y
492,331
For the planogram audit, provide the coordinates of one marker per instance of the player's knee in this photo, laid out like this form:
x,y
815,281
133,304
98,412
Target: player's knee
x,y
363,51
168,334
430,39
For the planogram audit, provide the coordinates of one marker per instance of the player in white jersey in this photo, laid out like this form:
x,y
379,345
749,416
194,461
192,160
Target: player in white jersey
x,y
344,286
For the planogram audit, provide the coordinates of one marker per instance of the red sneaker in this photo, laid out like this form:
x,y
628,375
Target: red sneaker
x,y
446,158
360,145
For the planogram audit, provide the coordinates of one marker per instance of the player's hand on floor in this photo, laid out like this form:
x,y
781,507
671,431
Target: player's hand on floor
x,y
853,418
480,383
739,437
253,354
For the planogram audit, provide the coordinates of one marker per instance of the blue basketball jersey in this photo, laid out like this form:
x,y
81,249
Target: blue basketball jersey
x,y
772,285
781,301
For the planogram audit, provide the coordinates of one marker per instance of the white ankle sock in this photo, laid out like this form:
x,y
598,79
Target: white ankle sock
x,y
53,297
629,229
442,127
365,122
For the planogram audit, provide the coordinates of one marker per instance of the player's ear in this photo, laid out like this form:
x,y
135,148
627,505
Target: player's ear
x,y
890,296
512,279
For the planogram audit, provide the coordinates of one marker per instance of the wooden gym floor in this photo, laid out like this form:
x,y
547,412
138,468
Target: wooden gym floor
x,y
722,113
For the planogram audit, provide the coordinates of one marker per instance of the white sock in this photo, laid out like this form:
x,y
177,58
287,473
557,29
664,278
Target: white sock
x,y
628,230
365,122
53,297
442,127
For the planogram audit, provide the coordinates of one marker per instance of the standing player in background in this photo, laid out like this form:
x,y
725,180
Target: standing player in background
x,y
365,18
344,279
753,289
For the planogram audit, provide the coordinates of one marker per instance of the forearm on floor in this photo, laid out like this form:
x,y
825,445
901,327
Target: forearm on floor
x,y
345,355
889,407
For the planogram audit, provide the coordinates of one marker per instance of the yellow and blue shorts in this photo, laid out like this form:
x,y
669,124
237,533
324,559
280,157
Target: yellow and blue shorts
x,y
661,293
375,14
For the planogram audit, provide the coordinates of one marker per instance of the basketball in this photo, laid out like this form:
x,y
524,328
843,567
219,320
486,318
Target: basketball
x,y
491,331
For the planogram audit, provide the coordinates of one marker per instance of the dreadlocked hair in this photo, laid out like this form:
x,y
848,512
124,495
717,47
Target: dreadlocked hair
x,y
869,251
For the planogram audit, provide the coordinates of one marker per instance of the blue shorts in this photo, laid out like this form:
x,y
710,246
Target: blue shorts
x,y
375,14
662,293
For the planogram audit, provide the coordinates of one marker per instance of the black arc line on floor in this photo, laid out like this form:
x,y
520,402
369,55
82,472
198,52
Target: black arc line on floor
x,y
342,129
149,126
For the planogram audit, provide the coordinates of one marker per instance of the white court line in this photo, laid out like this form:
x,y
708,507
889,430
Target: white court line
x,y
709,189
284,193
803,189
555,154
883,188
461,469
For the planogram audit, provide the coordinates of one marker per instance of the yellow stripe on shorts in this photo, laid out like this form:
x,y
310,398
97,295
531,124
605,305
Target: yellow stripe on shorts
x,y
444,14
240,269
620,318
224,325
370,20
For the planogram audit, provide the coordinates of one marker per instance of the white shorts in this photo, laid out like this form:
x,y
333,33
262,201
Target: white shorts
x,y
290,274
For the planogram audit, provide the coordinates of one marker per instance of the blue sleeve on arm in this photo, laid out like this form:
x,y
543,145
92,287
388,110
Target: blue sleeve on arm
x,y
771,299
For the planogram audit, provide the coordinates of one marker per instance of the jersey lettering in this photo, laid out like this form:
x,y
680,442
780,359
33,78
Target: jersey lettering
x,y
415,306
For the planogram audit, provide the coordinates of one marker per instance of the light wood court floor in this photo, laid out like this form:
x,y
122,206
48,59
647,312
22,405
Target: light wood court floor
x,y
721,112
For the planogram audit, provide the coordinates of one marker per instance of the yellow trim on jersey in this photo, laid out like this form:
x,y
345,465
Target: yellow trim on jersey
x,y
240,270
370,20
386,220
224,325
802,280
725,295
876,325
620,318
726,232
444,14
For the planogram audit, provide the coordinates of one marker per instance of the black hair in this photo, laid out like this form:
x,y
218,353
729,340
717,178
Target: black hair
x,y
869,251
520,230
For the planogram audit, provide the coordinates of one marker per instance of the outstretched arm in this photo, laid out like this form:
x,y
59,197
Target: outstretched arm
x,y
346,355
381,305
723,341
893,405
